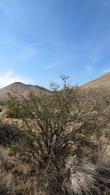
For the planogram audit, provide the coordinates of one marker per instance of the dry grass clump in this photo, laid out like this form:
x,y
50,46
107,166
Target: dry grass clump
x,y
81,180
87,179
90,178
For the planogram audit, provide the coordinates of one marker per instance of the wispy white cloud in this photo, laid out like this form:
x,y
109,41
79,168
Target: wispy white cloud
x,y
9,77
53,65
89,69
96,55
28,53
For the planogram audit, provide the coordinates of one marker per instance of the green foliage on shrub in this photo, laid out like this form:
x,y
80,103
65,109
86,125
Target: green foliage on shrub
x,y
17,108
56,122
13,107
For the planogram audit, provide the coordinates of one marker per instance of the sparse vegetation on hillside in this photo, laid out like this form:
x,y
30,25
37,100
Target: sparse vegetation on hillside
x,y
59,143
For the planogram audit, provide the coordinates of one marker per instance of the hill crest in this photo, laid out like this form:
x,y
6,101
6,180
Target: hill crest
x,y
18,88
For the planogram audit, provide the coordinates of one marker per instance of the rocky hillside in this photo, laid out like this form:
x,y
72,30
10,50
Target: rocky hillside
x,y
101,82
17,89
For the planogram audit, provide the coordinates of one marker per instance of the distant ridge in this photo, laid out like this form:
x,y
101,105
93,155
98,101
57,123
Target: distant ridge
x,y
19,89
101,82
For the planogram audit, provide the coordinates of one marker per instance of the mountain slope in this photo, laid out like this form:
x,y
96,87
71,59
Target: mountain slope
x,y
19,89
101,82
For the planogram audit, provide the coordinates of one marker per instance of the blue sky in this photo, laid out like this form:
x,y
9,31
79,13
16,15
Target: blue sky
x,y
42,39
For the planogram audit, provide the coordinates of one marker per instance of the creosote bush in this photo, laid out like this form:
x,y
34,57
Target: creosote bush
x,y
55,122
